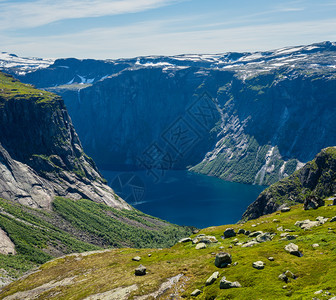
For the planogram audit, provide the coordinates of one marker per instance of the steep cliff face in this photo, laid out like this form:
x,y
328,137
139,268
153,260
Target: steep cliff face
x,y
317,177
40,153
254,125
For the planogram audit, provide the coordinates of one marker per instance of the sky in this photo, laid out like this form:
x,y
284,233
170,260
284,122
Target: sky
x,y
110,29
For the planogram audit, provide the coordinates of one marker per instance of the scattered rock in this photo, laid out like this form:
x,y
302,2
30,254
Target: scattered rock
x,y
185,240
283,277
333,219
271,258
140,271
200,246
293,249
204,239
212,278
290,274
195,293
255,234
223,259
242,231
285,209
235,241
322,220
235,263
259,265
225,284
334,203
229,232
254,225
136,258
149,255
250,244
318,292
276,221
315,245
264,237
307,224
247,232
196,231
313,202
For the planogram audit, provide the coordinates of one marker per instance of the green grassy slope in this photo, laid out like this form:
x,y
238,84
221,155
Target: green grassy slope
x,y
78,276
76,227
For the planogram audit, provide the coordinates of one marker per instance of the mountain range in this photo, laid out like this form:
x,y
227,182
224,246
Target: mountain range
x,y
249,117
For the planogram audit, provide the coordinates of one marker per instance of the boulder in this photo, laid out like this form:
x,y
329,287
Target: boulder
x,y
241,231
264,237
307,224
185,240
204,239
293,249
136,258
255,234
247,232
225,284
223,259
271,258
259,265
250,244
283,277
195,293
315,246
200,246
229,232
313,202
212,278
285,209
333,219
334,202
322,220
140,271
290,274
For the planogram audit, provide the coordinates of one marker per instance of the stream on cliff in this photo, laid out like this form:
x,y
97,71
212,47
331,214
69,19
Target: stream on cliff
x,y
183,197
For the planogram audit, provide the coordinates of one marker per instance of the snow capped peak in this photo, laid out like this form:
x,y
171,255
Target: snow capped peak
x,y
23,65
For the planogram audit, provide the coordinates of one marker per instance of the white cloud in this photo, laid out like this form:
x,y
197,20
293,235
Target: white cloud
x,y
35,13
147,38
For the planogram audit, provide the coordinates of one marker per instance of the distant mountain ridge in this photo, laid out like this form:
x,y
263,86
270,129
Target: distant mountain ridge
x,y
269,106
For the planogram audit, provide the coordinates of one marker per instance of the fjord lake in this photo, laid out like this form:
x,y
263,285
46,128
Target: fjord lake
x,y
183,197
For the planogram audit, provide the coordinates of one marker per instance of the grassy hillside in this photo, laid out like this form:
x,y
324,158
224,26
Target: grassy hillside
x,y
78,226
111,273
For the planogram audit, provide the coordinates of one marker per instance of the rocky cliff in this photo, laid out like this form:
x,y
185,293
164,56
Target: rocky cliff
x,y
316,178
248,117
40,153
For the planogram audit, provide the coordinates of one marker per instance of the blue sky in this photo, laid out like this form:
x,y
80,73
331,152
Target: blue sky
x,y
129,28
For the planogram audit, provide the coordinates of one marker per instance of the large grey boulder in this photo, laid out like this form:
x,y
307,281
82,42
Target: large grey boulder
x,y
201,238
307,224
185,240
229,232
140,271
293,249
255,234
212,278
259,265
225,284
223,259
264,237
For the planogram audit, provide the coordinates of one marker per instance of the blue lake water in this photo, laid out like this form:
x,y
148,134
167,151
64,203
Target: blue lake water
x,y
184,198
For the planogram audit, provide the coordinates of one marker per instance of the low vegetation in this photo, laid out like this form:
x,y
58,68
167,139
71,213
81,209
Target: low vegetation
x,y
76,227
82,275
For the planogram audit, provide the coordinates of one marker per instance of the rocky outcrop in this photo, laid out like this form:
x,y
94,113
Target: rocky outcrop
x,y
264,109
317,178
40,153
6,245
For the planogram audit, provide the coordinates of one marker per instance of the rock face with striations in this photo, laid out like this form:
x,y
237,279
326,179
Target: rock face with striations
x,y
265,109
317,179
40,153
